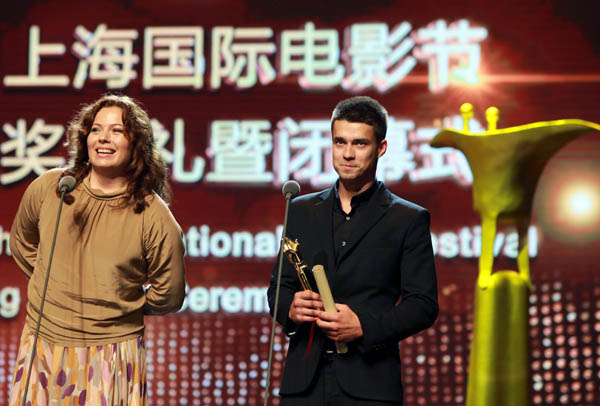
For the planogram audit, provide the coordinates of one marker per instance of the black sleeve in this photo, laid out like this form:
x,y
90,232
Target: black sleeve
x,y
418,308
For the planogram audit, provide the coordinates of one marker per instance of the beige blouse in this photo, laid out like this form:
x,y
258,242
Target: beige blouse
x,y
103,256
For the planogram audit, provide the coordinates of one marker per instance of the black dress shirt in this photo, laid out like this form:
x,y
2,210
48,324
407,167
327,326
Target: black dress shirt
x,y
343,222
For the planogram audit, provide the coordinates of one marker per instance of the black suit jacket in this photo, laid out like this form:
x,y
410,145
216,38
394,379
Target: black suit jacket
x,y
389,257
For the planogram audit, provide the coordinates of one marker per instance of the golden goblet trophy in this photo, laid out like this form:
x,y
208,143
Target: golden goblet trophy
x,y
506,165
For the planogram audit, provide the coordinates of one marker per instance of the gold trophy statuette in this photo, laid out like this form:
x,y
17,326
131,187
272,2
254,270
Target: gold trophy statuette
x,y
291,250
506,165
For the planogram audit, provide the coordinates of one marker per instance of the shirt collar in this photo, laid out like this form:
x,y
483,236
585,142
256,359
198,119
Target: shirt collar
x,y
359,199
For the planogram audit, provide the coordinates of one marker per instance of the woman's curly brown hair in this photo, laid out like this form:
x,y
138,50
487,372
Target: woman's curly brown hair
x,y
146,172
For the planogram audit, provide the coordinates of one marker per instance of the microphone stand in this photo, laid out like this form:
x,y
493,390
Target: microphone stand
x,y
63,191
288,198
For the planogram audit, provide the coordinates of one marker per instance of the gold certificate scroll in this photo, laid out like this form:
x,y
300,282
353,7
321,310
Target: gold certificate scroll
x,y
327,299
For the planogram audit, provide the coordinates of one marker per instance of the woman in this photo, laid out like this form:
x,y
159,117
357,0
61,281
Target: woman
x,y
116,233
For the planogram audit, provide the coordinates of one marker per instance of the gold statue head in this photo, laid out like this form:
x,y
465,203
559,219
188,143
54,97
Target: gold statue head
x,y
290,249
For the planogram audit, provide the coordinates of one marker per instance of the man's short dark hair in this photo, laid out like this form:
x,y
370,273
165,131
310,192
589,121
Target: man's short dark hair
x,y
362,109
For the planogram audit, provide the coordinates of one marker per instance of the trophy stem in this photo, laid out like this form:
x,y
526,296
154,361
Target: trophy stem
x,y
499,372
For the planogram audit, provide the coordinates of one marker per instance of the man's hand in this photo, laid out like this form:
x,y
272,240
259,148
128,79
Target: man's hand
x,y
306,306
343,326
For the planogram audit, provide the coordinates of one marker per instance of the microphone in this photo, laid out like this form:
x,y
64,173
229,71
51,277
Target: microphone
x,y
290,189
65,185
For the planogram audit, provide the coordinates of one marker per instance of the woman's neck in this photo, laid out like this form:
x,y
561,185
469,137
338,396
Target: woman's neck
x,y
107,184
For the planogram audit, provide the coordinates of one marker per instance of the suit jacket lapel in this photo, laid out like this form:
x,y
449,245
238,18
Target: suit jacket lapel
x,y
323,226
374,211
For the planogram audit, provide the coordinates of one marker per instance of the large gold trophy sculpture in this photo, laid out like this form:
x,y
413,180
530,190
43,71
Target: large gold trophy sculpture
x,y
506,165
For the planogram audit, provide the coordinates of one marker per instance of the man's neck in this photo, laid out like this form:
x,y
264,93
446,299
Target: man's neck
x,y
347,190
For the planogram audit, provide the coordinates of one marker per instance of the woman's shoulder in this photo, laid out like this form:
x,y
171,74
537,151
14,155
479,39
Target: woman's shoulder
x,y
42,186
154,202
51,175
48,179
157,214
156,207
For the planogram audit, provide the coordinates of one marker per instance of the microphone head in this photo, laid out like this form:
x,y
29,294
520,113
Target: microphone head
x,y
290,189
66,184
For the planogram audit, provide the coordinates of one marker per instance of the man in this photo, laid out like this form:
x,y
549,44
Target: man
x,y
377,254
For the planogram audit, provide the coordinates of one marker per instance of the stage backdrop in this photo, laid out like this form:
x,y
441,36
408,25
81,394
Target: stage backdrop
x,y
240,94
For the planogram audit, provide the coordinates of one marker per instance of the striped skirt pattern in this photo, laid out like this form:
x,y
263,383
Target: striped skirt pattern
x,y
106,375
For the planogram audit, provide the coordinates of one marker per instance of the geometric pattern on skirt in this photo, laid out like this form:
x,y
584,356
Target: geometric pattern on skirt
x,y
104,375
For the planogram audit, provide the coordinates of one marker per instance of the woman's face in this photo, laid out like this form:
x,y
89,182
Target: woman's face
x,y
109,148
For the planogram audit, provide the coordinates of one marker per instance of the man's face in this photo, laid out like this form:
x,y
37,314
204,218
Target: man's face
x,y
355,151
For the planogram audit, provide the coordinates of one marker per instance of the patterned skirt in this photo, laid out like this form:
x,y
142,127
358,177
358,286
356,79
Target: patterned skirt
x,y
106,375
